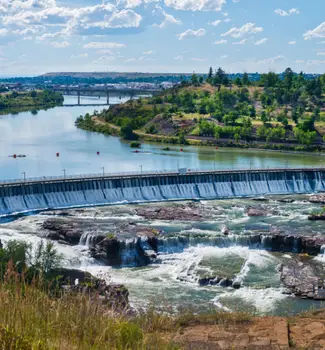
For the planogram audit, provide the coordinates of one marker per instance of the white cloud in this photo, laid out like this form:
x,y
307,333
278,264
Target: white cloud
x,y
196,5
261,42
48,19
227,20
103,45
246,29
122,19
284,13
322,53
216,22
168,19
59,44
220,42
318,32
293,42
241,42
191,33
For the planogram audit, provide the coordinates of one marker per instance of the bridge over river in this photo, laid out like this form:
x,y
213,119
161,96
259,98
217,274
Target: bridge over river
x,y
30,195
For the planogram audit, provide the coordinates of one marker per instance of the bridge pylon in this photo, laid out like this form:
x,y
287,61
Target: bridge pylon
x,y
107,94
78,95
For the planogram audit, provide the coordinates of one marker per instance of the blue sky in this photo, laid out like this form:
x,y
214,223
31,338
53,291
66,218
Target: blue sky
x,y
38,36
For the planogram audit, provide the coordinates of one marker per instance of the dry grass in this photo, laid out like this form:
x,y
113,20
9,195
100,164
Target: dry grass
x,y
31,319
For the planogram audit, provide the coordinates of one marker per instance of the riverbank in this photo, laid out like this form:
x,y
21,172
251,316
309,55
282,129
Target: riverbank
x,y
30,100
31,319
98,124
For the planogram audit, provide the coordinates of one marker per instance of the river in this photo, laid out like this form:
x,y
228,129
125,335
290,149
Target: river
x,y
172,280
41,136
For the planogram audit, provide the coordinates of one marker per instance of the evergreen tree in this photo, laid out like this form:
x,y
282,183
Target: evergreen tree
x,y
245,79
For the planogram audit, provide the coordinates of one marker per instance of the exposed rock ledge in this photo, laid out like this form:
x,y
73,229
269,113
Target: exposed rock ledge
x,y
317,198
114,296
303,278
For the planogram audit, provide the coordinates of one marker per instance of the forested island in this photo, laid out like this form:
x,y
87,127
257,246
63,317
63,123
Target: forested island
x,y
278,111
31,99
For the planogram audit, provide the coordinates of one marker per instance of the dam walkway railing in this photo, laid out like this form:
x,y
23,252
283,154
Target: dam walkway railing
x,y
155,173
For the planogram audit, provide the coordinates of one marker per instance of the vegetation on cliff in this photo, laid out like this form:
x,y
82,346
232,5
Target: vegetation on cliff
x,y
284,111
31,99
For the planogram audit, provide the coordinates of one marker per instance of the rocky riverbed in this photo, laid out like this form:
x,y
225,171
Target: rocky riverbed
x,y
225,254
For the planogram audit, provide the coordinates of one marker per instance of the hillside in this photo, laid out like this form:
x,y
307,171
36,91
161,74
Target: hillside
x,y
274,112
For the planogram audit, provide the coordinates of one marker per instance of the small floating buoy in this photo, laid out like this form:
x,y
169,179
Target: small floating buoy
x,y
98,153
181,149
136,151
15,155
57,154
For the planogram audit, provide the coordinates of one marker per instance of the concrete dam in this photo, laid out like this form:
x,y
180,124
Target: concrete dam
x,y
33,195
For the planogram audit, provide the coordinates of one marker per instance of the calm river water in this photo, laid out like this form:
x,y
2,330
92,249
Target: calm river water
x,y
40,136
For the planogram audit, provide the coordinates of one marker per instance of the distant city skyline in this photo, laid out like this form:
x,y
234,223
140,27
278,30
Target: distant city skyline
x,y
39,36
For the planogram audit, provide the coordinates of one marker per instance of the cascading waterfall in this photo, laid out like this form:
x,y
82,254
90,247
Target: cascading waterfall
x,y
27,197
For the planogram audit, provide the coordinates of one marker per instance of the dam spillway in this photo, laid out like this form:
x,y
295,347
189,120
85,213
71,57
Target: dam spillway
x,y
59,193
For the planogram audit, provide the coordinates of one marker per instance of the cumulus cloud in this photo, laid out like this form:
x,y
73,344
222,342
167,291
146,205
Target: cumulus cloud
x,y
178,58
293,42
196,5
318,32
284,13
103,45
49,19
191,33
246,29
220,42
168,19
261,42
216,22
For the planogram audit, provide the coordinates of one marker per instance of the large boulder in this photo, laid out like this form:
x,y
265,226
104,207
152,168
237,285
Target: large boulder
x,y
317,198
256,211
303,279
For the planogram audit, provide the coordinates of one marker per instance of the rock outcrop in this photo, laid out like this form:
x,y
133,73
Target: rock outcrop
x,y
114,296
303,279
220,281
315,217
317,198
59,229
181,212
256,212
